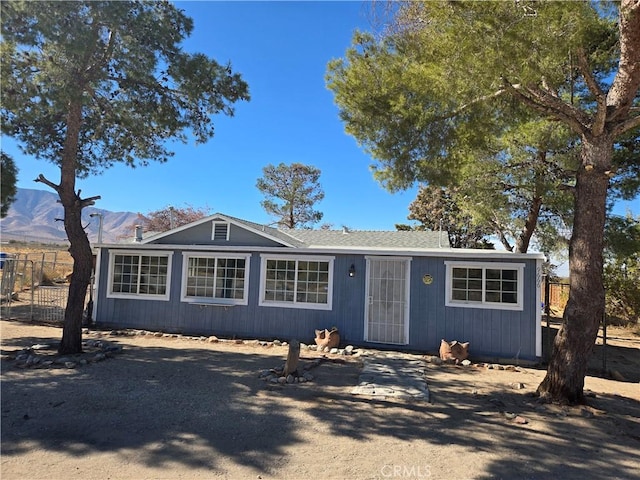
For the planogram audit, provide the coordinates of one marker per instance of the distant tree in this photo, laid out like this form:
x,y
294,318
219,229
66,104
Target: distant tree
x,y
291,192
622,268
437,208
87,84
519,184
8,177
170,217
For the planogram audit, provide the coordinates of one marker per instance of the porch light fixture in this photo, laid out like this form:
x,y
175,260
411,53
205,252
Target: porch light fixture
x,y
352,270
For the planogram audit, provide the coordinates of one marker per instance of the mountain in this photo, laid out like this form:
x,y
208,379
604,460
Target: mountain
x,y
32,217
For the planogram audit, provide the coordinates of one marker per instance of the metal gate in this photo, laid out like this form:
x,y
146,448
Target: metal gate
x,y
52,302
34,286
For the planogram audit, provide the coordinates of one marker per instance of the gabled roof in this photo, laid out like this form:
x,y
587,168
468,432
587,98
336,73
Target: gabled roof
x,y
273,233
347,239
262,230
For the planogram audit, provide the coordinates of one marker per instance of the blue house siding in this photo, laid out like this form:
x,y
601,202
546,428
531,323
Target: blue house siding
x,y
503,333
491,332
251,320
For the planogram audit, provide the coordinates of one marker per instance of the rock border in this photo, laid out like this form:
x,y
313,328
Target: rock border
x,y
93,351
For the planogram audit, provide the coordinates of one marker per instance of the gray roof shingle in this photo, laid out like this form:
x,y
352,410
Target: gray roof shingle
x,y
371,239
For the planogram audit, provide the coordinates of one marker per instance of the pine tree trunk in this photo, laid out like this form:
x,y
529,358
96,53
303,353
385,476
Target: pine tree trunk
x,y
82,261
564,381
80,248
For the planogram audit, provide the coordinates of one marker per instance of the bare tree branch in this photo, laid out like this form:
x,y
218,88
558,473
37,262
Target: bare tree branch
x,y
42,179
87,202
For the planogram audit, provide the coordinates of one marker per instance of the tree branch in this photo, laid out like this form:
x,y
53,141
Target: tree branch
x,y
87,202
100,101
587,74
601,112
549,105
500,232
628,124
627,80
477,100
49,183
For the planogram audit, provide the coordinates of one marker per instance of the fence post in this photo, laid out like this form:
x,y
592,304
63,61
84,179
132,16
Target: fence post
x,y
604,342
547,312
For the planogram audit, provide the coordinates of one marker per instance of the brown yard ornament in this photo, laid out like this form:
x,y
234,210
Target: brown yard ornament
x,y
454,351
328,338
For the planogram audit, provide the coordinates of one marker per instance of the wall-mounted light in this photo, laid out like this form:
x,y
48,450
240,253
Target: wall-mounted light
x,y
352,270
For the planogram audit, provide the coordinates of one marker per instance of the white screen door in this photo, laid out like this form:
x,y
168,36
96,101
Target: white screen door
x,y
387,300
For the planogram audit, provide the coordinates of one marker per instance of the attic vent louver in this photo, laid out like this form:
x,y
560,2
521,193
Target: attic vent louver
x,y
221,231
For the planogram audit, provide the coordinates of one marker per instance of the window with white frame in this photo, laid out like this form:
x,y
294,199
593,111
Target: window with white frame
x,y
303,282
484,285
215,278
140,275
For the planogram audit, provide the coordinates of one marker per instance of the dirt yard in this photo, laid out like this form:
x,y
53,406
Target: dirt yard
x,y
180,408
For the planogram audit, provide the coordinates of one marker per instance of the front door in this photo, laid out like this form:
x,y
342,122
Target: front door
x,y
387,300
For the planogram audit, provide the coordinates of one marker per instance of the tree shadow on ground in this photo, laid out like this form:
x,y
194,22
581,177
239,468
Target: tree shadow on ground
x,y
200,408
171,406
556,442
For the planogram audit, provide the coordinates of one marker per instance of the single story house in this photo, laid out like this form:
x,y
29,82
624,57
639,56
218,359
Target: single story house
x,y
404,290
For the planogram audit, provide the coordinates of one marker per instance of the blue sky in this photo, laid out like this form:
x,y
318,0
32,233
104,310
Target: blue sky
x,y
282,50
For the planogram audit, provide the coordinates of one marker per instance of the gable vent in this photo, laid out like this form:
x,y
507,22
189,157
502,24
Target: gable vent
x,y
221,231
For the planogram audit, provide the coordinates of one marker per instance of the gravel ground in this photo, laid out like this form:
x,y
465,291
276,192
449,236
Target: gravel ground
x,y
173,408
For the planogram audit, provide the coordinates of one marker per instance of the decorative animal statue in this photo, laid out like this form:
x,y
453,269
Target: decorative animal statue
x,y
454,351
328,338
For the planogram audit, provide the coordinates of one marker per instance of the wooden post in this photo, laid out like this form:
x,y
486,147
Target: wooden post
x,y
604,343
292,358
547,313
